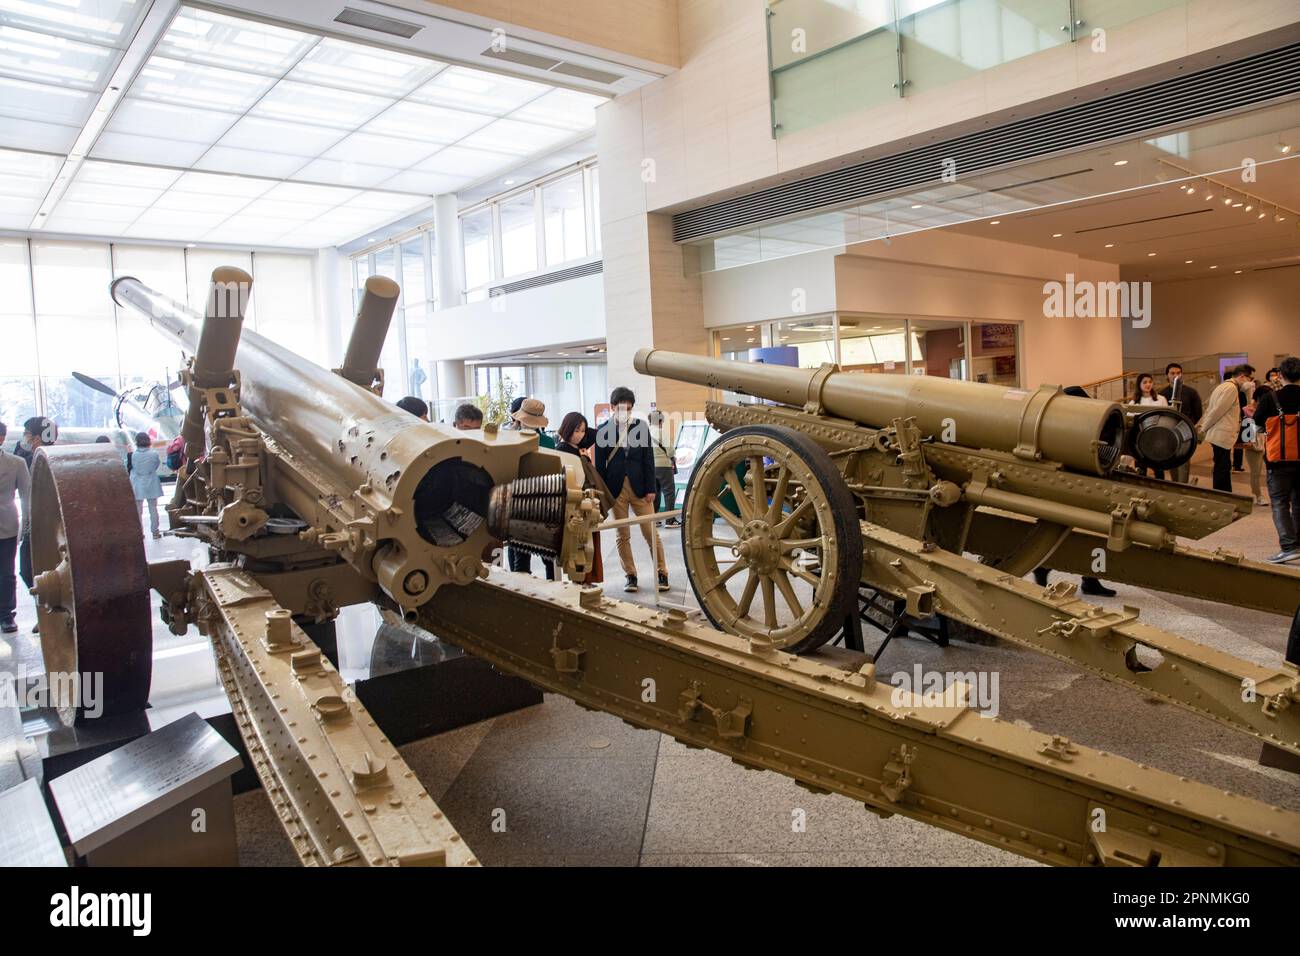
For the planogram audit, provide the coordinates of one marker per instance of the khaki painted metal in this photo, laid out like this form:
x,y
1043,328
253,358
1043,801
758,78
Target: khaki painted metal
x,y
361,360
342,792
828,724
1078,432
927,502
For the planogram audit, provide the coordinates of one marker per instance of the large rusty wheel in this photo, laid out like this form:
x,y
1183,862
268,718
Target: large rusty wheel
x,y
773,552
92,581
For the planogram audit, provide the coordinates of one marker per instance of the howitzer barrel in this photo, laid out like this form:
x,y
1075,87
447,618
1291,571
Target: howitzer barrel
x,y
1081,433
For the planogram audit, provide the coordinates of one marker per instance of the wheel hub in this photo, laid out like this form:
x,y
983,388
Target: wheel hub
x,y
760,546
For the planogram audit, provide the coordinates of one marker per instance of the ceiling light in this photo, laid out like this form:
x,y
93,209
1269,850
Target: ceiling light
x,y
1227,200
1056,235
1261,215
1149,254
1279,218
1214,267
1283,148
1237,273
1209,196
1187,262
1250,207
1110,245
1121,162
995,222
1236,205
916,205
509,182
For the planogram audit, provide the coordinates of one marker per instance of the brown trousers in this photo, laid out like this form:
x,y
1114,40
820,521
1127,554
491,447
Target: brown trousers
x,y
626,499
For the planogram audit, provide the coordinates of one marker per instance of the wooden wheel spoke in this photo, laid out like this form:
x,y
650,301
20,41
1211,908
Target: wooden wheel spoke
x,y
789,521
802,544
787,591
769,602
722,579
747,596
778,496
801,573
760,486
720,542
721,511
738,493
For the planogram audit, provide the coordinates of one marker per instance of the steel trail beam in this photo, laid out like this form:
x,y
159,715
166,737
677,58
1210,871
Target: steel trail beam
x,y
833,729
343,794
1225,577
1260,701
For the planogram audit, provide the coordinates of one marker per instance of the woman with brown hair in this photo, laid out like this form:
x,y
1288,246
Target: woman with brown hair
x,y
577,438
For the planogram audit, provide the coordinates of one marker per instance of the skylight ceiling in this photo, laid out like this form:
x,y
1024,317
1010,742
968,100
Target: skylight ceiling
x,y
240,131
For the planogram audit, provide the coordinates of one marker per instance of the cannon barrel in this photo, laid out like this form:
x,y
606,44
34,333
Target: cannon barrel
x,y
405,502
1081,433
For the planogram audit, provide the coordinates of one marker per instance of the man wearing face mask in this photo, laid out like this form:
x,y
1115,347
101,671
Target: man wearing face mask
x,y
625,460
1187,400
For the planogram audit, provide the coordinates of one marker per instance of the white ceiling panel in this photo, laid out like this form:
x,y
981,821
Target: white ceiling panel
x,y
35,135
104,22
281,136
242,131
226,160
123,174
364,69
359,175
194,84
90,227
564,108
23,99
56,60
133,148
203,36
431,124
342,109
167,121
462,88
459,161
395,151
516,138
215,184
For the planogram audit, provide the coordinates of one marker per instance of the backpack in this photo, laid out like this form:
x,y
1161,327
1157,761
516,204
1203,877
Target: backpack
x,y
176,453
1283,437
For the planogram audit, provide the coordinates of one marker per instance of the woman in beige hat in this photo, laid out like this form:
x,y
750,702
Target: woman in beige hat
x,y
531,416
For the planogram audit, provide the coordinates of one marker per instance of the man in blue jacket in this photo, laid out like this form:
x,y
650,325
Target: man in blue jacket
x,y
625,459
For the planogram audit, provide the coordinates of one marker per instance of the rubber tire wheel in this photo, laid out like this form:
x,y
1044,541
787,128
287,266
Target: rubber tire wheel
x,y
844,515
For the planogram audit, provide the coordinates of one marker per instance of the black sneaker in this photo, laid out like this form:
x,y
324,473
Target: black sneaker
x,y
663,582
9,626
630,585
1094,588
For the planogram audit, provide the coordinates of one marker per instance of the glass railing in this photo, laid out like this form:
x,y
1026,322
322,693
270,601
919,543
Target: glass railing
x,y
831,57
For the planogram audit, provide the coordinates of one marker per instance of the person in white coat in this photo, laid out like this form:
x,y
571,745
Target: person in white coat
x,y
142,465
1221,425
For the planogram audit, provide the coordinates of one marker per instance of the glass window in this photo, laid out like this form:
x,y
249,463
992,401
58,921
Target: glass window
x,y
565,223
360,273
476,243
518,235
412,280
873,344
18,357
994,353
939,348
805,343
284,289
146,357
76,330
392,358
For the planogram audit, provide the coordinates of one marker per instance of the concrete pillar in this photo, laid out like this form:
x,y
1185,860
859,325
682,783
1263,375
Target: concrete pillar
x,y
446,247
451,380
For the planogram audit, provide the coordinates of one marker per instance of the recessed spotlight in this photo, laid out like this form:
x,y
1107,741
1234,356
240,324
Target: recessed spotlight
x,y
1237,273
916,205
1236,205
1110,245
1227,200
509,182
1188,262
995,222
1056,235
1250,207
1209,196
1214,267
1121,162
1150,254
1261,215
1283,148
1275,218
373,239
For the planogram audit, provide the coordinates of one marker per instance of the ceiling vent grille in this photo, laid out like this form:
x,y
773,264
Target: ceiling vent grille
x,y
595,267
372,21
523,58
1247,83
551,65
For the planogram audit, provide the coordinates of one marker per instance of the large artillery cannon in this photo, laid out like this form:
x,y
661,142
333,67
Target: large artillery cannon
x,y
915,503
311,493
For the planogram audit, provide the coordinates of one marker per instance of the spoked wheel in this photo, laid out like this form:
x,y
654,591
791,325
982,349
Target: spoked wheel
x,y
92,582
771,539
